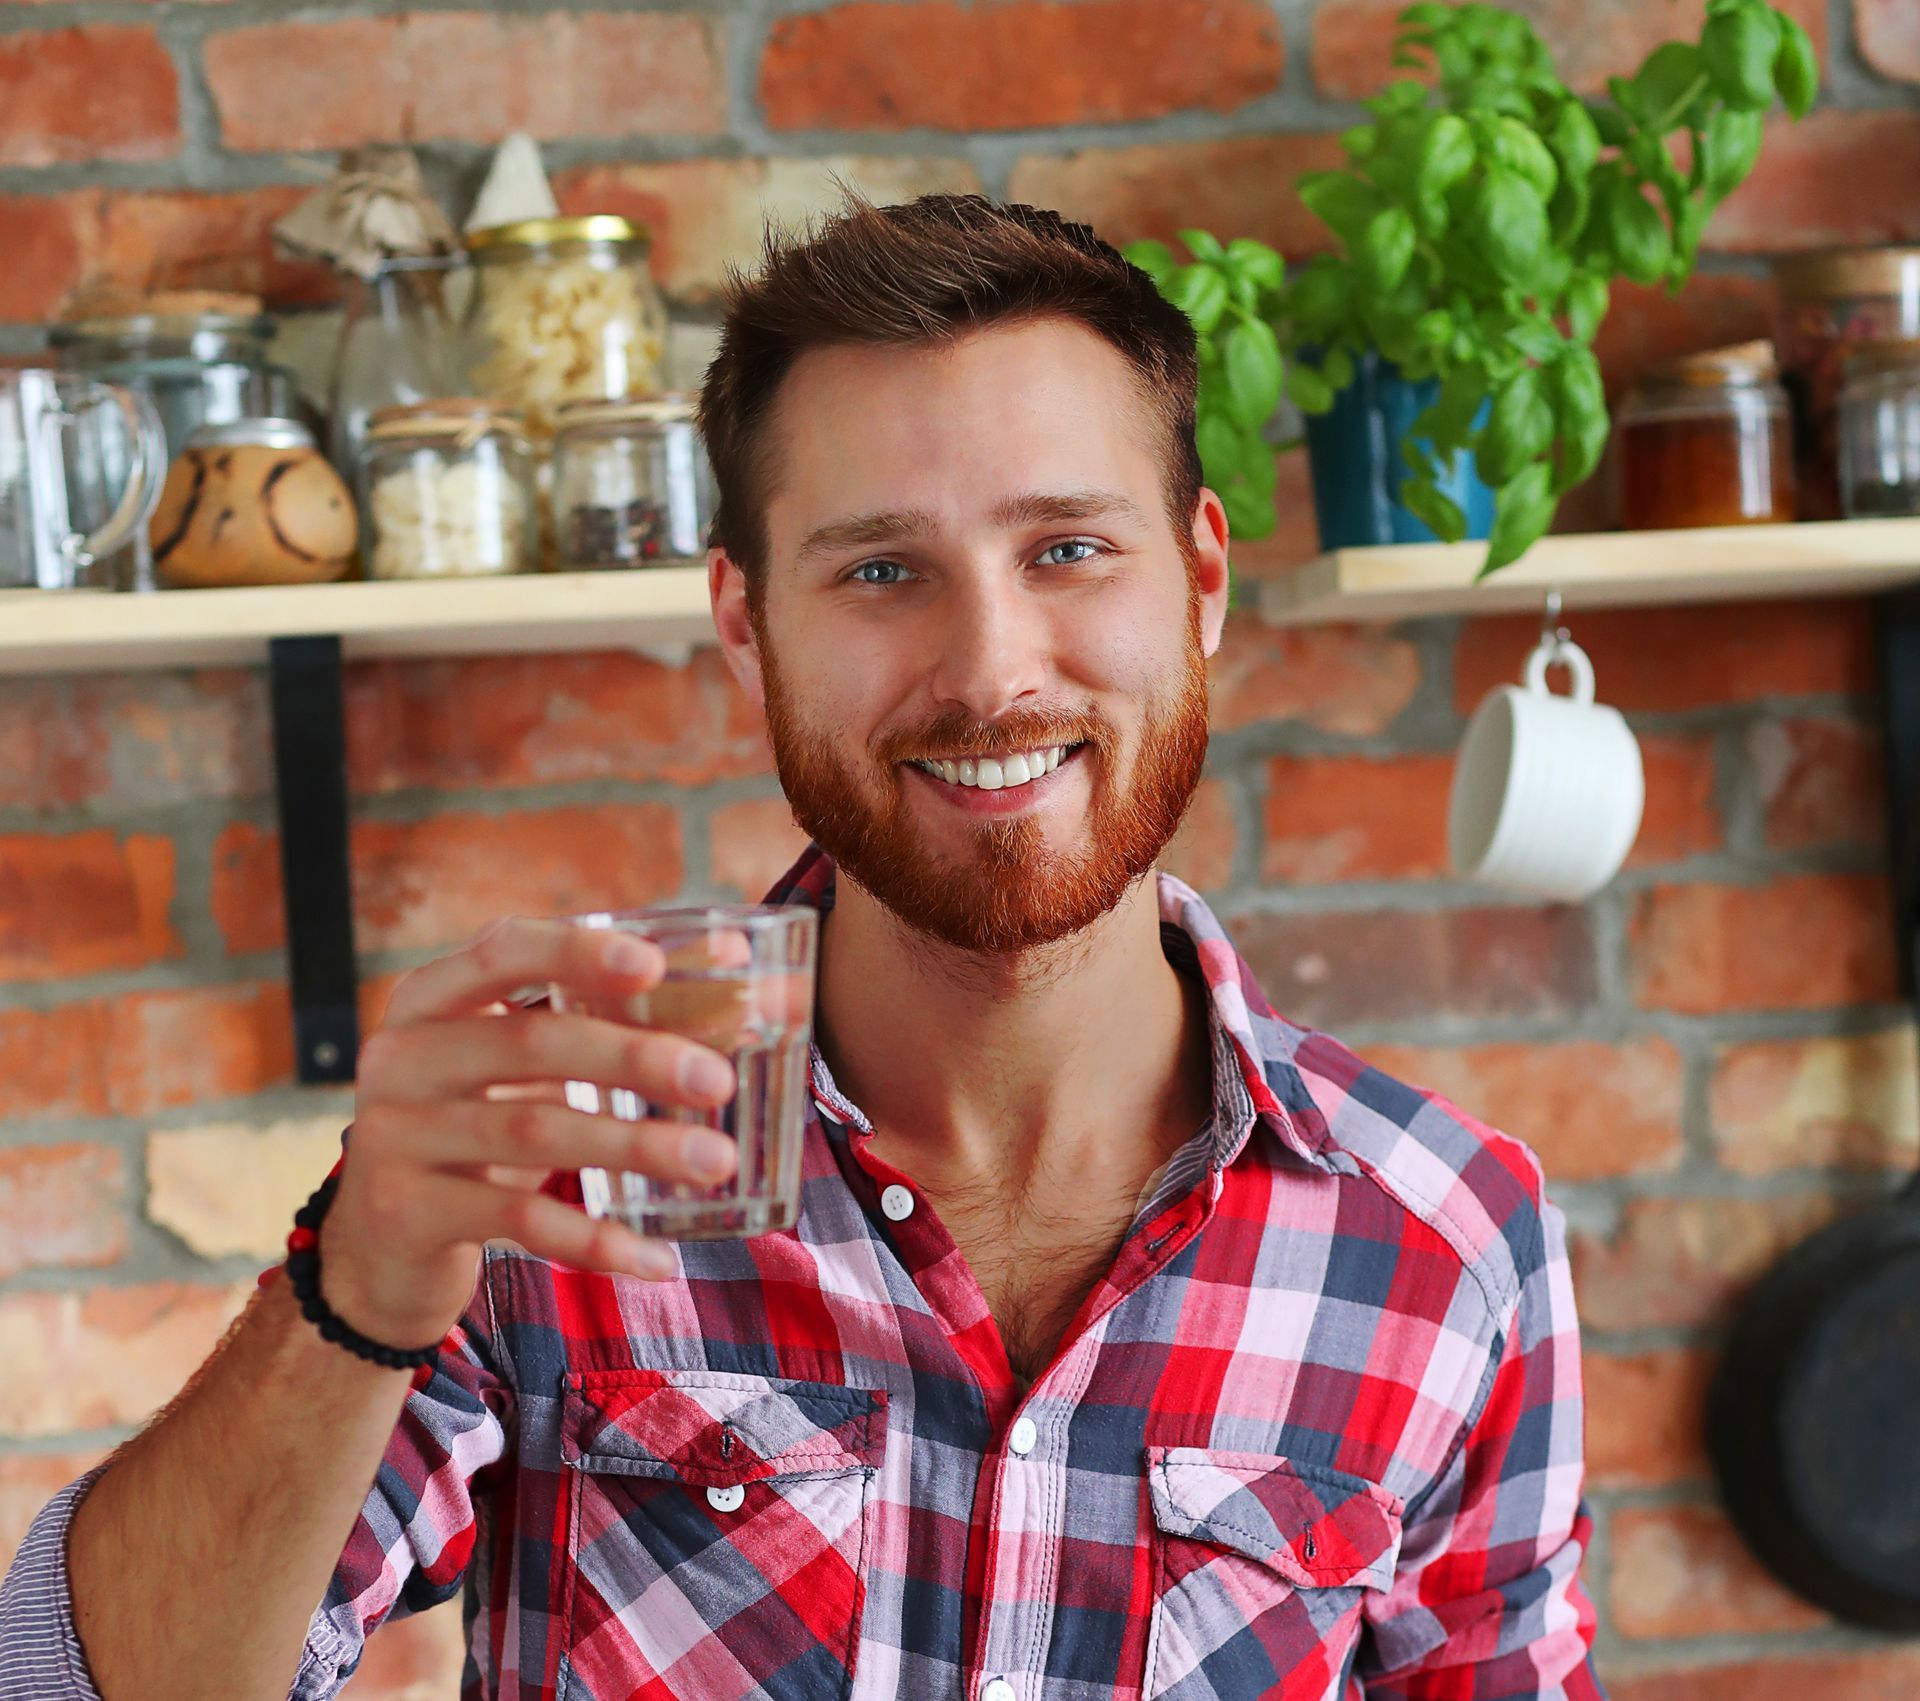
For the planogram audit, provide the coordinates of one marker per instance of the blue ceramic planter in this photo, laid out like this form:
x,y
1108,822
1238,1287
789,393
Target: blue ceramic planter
x,y
1354,456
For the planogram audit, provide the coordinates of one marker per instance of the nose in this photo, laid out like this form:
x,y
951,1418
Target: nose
x,y
992,646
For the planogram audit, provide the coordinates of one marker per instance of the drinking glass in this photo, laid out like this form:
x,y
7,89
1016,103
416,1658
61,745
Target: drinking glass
x,y
739,979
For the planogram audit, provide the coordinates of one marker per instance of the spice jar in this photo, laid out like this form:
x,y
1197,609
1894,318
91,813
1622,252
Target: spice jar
x,y
447,488
631,484
1828,302
1705,441
564,309
1880,431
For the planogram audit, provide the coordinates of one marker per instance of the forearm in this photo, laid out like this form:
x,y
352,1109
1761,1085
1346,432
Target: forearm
x,y
198,1560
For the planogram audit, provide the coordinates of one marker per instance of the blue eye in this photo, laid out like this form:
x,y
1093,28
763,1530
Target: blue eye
x,y
1090,550
892,570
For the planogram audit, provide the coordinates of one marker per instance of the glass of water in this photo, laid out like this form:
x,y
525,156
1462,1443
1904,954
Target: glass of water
x,y
739,980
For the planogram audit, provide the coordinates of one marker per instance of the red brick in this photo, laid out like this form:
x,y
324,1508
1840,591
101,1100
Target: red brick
x,y
1348,679
1240,187
108,1356
28,1481
80,903
1683,1262
1687,658
1015,64
752,843
1645,325
1333,818
1681,818
1888,32
99,92
1821,183
43,237
1820,783
61,1205
1834,1102
1646,1417
1202,851
1867,1674
52,1062
1588,1110
1353,39
1802,942
548,720
1325,969
439,881
1684,1571
706,214
466,76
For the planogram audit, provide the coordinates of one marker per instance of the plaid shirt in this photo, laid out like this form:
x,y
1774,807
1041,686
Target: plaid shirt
x,y
1316,1434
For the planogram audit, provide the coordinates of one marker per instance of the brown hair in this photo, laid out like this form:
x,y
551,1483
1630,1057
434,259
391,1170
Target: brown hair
x,y
926,271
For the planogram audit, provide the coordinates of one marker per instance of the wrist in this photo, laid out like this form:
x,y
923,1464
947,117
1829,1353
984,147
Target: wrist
x,y
305,1278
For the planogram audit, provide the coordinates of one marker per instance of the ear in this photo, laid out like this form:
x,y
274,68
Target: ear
x,y
1210,567
727,590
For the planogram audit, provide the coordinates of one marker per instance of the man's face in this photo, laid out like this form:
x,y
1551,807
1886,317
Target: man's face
x,y
972,575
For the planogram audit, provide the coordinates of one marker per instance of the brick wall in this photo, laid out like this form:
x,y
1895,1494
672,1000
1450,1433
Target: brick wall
x,y
1710,1057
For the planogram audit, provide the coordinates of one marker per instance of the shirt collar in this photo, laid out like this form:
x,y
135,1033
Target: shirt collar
x,y
1255,1081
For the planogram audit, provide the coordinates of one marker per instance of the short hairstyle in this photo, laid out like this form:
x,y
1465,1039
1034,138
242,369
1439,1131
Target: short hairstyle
x,y
927,271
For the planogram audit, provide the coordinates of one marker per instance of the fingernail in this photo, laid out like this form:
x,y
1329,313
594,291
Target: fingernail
x,y
710,1155
651,1261
705,1075
628,956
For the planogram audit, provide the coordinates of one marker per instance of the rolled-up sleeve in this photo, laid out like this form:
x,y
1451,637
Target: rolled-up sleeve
x,y
1487,1603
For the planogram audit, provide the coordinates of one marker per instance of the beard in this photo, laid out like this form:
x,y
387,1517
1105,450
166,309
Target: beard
x,y
1011,892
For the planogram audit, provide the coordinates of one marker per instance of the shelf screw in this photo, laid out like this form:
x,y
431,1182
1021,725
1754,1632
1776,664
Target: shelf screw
x,y
326,1054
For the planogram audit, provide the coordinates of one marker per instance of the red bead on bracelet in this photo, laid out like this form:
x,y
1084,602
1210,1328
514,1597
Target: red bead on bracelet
x,y
302,1240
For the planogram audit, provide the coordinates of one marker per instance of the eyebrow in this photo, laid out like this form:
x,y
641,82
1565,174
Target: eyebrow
x,y
1026,508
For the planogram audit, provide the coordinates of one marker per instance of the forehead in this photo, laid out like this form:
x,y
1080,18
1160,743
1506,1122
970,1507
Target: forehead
x,y
948,427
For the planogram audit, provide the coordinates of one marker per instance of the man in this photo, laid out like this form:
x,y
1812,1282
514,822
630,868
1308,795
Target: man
x,y
1132,1341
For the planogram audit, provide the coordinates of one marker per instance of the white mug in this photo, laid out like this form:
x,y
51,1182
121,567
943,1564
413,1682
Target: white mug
x,y
1547,790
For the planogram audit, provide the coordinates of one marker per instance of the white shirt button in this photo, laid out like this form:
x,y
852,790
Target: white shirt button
x,y
1023,1436
996,1689
726,1499
897,1204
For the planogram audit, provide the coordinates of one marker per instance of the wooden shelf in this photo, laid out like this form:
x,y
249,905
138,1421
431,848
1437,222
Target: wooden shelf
x,y
72,631
1604,569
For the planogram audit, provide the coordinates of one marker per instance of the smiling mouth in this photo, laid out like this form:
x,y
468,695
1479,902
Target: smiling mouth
x,y
1004,773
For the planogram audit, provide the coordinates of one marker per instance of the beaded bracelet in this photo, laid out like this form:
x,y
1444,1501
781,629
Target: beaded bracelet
x,y
303,1274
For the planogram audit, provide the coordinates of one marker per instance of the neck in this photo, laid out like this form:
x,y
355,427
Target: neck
x,y
979,1069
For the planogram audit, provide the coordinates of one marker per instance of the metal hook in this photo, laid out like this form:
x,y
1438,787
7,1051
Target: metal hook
x,y
1551,628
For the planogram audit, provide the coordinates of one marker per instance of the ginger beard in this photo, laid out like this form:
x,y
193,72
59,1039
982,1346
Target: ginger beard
x,y
1013,891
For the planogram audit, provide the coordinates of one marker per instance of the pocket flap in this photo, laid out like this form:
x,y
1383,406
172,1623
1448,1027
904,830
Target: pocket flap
x,y
715,1429
1320,1529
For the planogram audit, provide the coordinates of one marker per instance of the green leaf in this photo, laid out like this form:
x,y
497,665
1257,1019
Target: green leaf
x,y
1641,242
1567,213
1519,427
1199,292
1255,260
1154,258
1535,338
1446,155
1386,249
1249,515
1341,201
1521,513
1439,512
1796,68
1508,221
1580,417
1609,125
1738,49
1203,245
1574,138
1321,296
1729,146
1517,148
1668,85
1461,393
1427,16
1360,141
1337,369
1587,297
1310,392
1253,372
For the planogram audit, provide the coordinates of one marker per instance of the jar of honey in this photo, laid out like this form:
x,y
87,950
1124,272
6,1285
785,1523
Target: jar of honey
x,y
1707,441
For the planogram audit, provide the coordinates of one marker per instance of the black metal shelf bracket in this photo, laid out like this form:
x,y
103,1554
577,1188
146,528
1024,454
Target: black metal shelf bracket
x,y
1897,631
310,781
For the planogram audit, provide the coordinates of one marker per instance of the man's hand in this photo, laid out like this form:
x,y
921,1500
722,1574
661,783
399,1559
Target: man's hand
x,y
460,1116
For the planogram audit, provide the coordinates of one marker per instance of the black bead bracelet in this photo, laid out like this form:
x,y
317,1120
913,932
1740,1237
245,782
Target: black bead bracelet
x,y
303,1275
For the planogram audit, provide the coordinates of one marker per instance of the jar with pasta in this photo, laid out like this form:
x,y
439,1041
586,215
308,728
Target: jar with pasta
x,y
447,490
562,310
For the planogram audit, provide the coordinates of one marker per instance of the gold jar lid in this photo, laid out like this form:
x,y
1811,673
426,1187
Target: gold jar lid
x,y
464,419
1836,272
552,233
1743,363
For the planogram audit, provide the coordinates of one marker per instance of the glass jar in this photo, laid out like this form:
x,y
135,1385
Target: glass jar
x,y
631,484
398,344
564,310
446,488
1706,441
1828,302
1880,431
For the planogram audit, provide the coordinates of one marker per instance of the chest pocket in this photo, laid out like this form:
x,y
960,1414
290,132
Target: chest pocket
x,y
717,1534
1260,1567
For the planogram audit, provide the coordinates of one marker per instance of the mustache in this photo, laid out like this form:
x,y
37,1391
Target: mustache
x,y
957,734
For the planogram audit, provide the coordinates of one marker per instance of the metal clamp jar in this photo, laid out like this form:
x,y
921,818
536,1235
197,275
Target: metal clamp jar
x,y
447,489
562,310
1880,431
1706,441
631,484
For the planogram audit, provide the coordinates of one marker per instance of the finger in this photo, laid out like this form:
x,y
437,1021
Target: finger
x,y
474,1212
549,1137
519,953
423,1062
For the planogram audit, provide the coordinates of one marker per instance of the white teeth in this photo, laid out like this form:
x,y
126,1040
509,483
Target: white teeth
x,y
1053,757
967,771
988,776
1014,771
950,772
990,773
